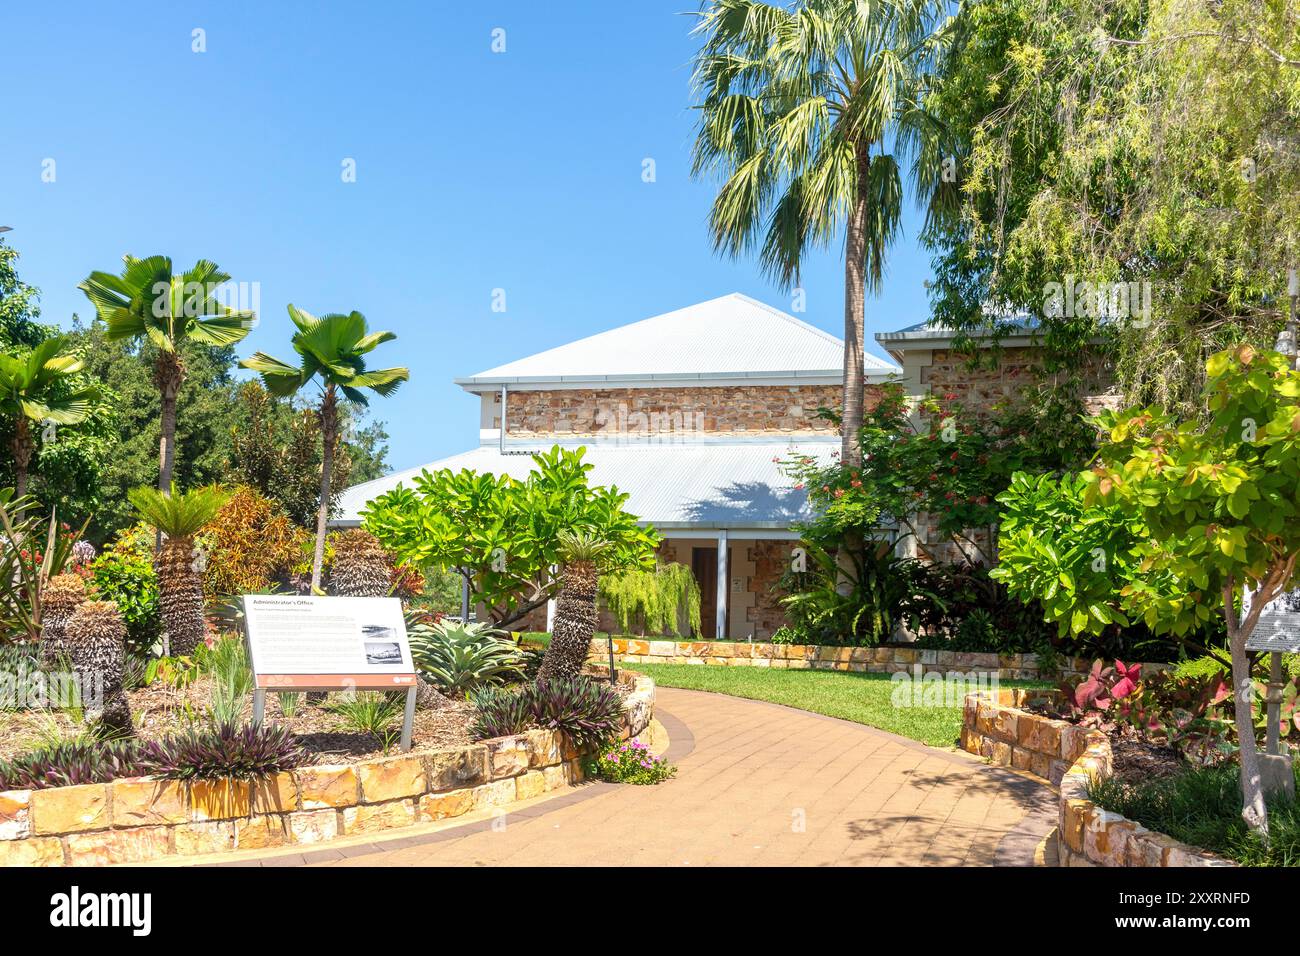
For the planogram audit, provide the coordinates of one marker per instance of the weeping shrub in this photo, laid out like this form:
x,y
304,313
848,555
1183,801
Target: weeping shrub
x,y
665,600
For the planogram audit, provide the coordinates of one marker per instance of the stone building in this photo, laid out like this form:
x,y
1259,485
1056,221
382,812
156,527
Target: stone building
x,y
690,413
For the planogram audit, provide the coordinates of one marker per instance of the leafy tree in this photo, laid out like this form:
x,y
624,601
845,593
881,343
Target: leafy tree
x,y
503,534
1219,499
332,347
940,460
1109,141
276,448
809,114
38,387
150,302
18,306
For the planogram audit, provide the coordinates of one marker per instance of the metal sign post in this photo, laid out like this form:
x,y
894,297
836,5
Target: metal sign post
x,y
309,644
1277,632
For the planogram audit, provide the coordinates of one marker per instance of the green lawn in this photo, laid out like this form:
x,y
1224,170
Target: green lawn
x,y
863,698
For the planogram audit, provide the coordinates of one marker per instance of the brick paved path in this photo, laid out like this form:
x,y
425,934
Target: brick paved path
x,y
759,784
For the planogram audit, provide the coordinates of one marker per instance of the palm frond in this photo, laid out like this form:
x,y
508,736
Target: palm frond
x,y
178,515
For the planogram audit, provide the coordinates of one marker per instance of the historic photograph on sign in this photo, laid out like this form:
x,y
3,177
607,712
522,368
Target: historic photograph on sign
x,y
387,653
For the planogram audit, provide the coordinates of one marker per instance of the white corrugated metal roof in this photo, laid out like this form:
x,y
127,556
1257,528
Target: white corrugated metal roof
x,y
699,484
731,336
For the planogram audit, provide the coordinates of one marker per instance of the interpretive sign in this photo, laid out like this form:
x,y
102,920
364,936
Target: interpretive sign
x,y
328,644
1278,629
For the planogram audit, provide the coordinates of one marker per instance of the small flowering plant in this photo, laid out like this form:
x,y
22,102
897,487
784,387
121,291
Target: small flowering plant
x,y
629,761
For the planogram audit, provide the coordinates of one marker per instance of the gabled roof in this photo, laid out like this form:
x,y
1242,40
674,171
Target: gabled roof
x,y
670,485
728,338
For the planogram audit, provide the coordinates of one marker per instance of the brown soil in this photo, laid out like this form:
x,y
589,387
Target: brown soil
x,y
1134,760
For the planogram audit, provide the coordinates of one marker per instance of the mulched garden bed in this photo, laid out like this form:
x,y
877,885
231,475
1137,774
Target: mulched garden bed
x,y
325,736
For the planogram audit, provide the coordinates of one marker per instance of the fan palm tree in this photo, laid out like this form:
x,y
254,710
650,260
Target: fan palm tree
x,y
575,607
807,113
148,301
38,387
332,347
178,518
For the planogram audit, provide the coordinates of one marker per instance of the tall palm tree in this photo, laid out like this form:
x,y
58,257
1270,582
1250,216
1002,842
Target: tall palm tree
x,y
37,387
332,347
179,517
148,301
576,614
808,111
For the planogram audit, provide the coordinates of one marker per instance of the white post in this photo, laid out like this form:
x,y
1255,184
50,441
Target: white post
x,y
724,587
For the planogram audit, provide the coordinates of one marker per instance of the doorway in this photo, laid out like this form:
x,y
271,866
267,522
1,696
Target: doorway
x,y
704,565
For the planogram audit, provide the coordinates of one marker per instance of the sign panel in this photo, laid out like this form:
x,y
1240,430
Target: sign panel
x,y
326,643
1278,629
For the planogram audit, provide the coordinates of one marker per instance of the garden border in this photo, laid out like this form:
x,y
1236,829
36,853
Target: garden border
x,y
138,819
882,659
994,726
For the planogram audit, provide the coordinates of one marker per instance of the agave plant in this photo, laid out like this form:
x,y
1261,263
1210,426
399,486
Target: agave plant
x,y
179,517
459,657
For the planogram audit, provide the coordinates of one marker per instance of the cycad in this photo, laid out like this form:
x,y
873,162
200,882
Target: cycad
x,y
179,517
96,643
333,348
361,566
575,607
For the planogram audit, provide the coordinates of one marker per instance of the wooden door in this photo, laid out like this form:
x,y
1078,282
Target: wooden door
x,y
704,565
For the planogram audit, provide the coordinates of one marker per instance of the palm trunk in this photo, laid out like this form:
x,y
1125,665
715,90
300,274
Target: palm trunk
x,y
329,421
22,448
855,287
168,373
1254,811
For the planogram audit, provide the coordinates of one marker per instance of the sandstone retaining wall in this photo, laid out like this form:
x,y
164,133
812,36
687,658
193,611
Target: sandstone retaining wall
x,y
134,820
994,726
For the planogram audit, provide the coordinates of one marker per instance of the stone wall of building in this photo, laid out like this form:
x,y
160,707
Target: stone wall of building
x,y
770,560
644,413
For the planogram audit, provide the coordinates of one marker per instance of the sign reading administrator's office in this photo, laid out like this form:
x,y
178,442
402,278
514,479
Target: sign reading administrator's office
x,y
321,643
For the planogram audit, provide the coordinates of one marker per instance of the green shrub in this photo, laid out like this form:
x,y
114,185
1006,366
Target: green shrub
x,y
371,713
1202,806
587,712
628,762
126,577
459,657
499,713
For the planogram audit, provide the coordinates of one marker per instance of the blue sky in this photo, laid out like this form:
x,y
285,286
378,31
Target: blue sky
x,y
475,171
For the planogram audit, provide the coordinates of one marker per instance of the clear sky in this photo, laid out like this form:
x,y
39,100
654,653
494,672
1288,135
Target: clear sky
x,y
475,171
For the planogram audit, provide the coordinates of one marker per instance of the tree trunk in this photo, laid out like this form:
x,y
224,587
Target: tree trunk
x,y
575,623
1253,810
855,290
329,422
168,374
22,448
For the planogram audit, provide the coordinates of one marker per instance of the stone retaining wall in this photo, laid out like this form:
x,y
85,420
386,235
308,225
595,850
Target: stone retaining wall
x,y
886,659
133,820
993,726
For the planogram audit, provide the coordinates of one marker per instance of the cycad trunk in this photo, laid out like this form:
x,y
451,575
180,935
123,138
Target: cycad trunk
x,y
97,648
180,596
575,622
361,566
329,423
59,601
